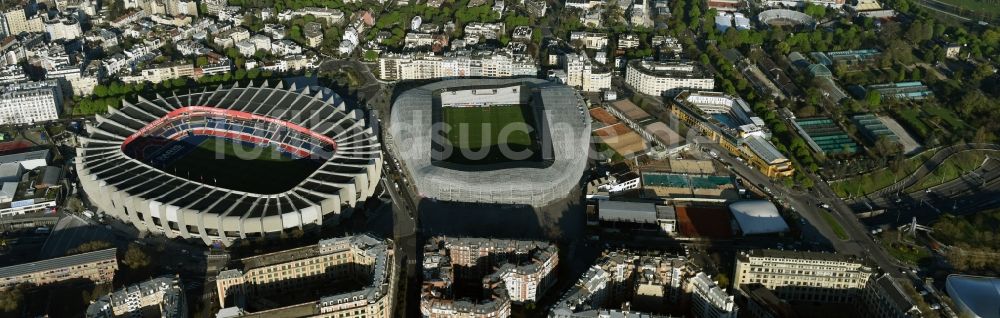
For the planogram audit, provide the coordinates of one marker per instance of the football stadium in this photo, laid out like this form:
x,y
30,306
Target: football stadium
x,y
495,141
231,162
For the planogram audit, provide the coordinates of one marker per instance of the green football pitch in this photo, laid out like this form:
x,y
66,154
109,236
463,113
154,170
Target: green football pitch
x,y
231,165
476,128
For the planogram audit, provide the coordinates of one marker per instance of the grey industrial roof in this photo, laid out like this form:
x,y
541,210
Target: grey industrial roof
x,y
757,217
764,149
10,169
24,156
636,212
976,296
58,262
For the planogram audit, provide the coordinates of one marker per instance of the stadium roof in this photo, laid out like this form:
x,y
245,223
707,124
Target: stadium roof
x,y
57,263
758,217
564,121
976,296
357,146
346,176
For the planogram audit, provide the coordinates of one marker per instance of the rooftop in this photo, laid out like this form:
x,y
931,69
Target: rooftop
x,y
802,255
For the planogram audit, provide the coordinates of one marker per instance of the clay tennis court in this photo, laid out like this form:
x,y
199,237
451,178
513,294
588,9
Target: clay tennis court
x,y
603,116
708,222
622,139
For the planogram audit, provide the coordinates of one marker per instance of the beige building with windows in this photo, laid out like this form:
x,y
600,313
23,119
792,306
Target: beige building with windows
x,y
804,276
670,78
353,260
97,266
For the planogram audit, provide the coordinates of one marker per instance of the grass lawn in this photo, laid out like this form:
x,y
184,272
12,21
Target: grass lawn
x,y
976,7
948,118
478,128
878,179
952,168
234,150
911,118
257,170
837,228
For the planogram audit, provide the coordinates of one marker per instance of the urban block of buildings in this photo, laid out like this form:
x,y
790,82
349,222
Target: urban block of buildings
x,y
360,260
731,123
393,67
474,277
647,282
163,295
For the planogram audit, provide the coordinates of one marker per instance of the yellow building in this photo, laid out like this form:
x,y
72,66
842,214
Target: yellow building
x,y
730,123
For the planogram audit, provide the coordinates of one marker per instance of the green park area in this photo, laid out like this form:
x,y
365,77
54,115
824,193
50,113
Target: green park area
x,y
878,179
951,168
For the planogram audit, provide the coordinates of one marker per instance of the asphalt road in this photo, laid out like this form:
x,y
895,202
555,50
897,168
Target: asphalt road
x,y
816,229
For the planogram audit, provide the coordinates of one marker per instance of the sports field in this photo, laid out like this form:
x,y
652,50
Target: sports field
x,y
478,128
238,166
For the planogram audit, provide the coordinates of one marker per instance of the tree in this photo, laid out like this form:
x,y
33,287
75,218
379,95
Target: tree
x,y
89,247
10,300
135,258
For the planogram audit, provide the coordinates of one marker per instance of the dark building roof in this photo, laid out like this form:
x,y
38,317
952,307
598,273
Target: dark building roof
x,y
58,262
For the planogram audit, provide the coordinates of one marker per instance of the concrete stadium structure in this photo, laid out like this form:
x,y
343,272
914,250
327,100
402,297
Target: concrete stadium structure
x,y
561,121
308,121
785,17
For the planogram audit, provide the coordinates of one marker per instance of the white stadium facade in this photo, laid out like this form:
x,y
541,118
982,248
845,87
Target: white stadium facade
x,y
299,122
561,122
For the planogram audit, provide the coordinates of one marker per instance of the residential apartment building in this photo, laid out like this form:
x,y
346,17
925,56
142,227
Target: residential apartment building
x,y
590,40
163,293
708,300
360,259
17,22
583,74
455,64
313,33
30,102
63,28
97,266
670,78
156,74
648,282
508,271
804,276
884,298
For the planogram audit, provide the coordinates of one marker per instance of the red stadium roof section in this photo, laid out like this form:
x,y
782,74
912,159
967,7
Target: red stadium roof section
x,y
228,113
